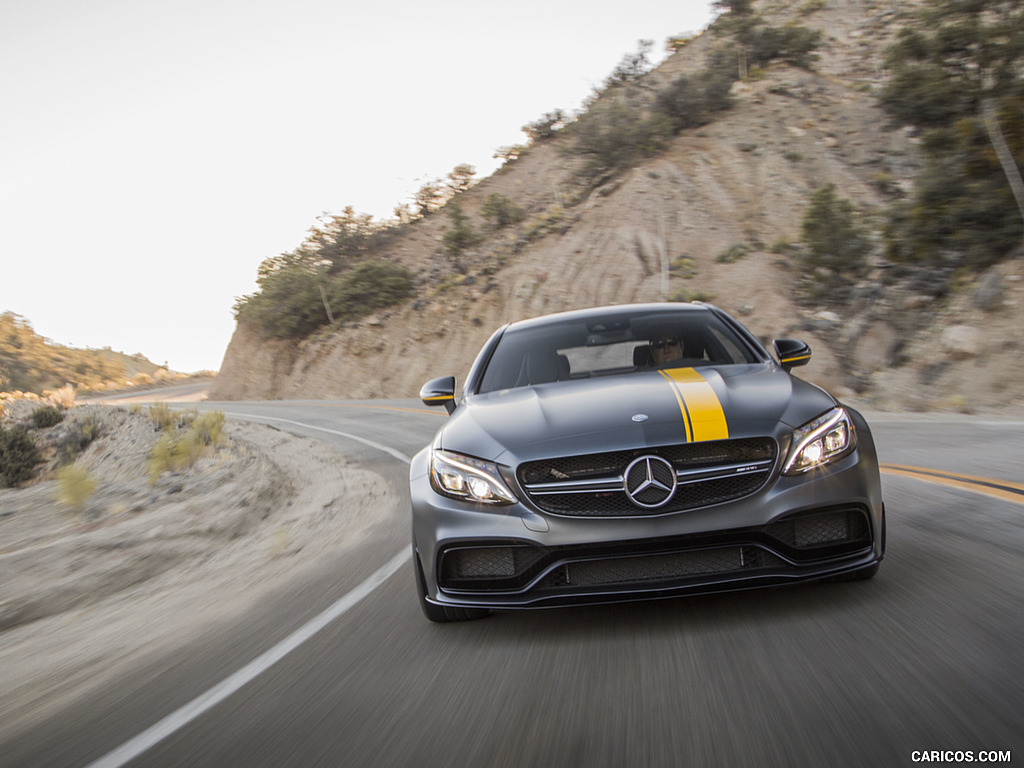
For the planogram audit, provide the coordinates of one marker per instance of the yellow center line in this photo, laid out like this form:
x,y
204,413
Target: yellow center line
x,y
1006,490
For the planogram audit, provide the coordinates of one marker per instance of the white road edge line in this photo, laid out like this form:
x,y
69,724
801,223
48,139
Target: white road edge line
x,y
231,684
379,446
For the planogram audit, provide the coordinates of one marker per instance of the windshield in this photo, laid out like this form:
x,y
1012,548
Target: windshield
x,y
612,344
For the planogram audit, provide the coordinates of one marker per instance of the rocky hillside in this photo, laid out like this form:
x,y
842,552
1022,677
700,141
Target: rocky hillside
x,y
705,219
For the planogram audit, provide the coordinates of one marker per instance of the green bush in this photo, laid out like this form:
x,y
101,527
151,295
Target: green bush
x,y
368,287
161,416
684,266
295,297
74,486
500,211
174,451
632,67
734,253
19,455
613,136
691,101
546,127
832,235
792,44
76,439
461,236
47,416
208,427
288,304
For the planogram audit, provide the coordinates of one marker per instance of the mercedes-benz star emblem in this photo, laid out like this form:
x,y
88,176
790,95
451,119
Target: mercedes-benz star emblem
x,y
640,418
650,482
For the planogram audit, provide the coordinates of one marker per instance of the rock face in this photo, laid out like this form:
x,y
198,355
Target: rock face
x,y
706,219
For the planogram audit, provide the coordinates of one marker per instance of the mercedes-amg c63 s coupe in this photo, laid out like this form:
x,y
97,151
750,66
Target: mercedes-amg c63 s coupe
x,y
635,452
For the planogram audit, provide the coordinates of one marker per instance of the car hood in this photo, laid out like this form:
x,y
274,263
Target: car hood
x,y
632,411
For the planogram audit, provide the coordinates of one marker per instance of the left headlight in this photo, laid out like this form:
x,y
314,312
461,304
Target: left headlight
x,y
469,479
820,441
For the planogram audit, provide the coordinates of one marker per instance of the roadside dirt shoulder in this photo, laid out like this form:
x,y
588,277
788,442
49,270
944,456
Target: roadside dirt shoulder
x,y
142,563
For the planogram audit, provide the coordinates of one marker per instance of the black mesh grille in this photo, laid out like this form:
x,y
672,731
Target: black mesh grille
x,y
493,567
668,567
611,466
847,527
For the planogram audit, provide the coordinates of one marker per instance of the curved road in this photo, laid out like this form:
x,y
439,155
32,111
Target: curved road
x,y
925,657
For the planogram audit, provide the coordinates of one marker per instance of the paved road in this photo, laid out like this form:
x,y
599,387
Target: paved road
x,y
191,392
927,656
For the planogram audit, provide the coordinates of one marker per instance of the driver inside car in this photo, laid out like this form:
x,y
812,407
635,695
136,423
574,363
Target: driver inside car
x,y
666,348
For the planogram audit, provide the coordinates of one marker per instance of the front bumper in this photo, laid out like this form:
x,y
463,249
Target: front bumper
x,y
794,529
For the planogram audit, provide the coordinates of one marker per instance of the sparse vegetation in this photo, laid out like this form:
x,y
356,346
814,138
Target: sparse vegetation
x,y
510,153
612,136
460,178
550,220
461,236
208,426
73,441
74,486
684,267
632,67
33,364
752,43
172,452
161,416
181,446
734,253
546,127
500,211
623,125
688,294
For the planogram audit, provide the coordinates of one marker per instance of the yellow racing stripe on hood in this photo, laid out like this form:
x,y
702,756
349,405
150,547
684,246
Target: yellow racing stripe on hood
x,y
702,412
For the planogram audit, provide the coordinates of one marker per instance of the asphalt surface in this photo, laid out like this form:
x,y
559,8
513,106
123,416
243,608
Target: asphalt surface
x,y
925,657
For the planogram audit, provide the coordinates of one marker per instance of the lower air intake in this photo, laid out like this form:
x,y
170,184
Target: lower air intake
x,y
668,567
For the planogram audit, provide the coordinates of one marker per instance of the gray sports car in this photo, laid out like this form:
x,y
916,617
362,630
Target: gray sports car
x,y
634,452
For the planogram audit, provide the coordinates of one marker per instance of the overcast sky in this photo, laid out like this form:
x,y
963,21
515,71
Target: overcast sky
x,y
153,153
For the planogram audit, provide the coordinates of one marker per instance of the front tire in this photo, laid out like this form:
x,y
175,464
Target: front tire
x,y
441,614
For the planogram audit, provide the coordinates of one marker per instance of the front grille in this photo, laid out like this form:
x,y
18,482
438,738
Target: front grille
x,y
594,485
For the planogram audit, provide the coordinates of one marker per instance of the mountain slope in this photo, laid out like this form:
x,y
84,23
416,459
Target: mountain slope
x,y
715,204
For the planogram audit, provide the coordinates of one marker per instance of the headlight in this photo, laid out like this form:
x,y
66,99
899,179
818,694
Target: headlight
x,y
820,441
463,477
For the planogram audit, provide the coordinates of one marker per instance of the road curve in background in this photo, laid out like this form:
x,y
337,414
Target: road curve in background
x,y
925,657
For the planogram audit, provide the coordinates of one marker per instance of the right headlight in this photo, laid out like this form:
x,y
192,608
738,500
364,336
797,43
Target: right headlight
x,y
820,441
467,478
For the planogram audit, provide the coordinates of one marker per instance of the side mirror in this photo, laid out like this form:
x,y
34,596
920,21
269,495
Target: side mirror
x,y
439,392
792,353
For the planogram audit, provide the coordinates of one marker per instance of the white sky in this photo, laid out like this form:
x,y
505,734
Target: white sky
x,y
154,152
